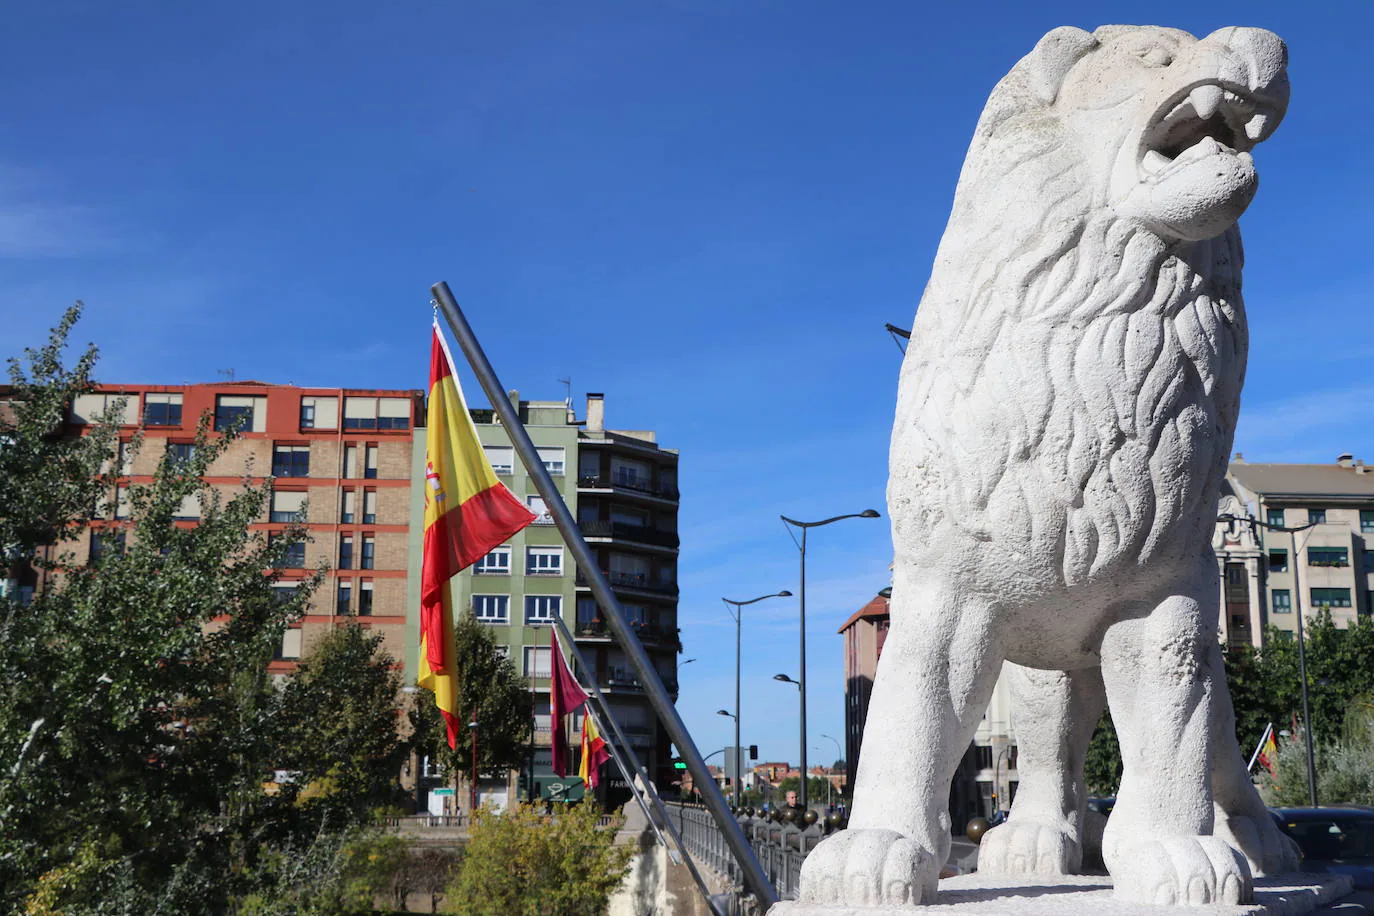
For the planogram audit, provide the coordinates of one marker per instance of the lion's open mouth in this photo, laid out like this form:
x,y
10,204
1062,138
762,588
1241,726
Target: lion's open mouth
x,y
1207,120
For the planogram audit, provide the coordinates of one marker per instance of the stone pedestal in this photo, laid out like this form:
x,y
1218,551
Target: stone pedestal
x,y
1089,895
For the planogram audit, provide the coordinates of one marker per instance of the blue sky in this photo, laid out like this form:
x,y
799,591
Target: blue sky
x,y
706,210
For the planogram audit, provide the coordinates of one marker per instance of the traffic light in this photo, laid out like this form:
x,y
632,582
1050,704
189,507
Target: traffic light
x,y
679,763
753,752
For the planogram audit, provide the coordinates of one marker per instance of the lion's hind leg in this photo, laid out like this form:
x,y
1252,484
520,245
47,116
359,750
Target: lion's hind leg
x,y
1055,713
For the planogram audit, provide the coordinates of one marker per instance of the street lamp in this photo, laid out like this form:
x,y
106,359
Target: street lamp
x,y
787,680
806,526
728,713
472,799
839,755
1295,558
738,617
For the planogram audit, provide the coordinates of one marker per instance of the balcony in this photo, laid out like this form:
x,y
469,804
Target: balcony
x,y
623,532
648,635
628,483
635,581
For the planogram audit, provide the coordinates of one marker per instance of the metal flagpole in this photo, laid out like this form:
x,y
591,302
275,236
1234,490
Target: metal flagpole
x,y
729,827
1259,747
627,760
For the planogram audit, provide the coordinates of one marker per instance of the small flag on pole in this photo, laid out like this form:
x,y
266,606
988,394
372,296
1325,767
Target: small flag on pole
x,y
565,696
594,752
468,511
1269,752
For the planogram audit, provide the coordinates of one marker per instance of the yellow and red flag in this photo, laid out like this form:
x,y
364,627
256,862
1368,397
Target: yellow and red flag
x,y
468,511
1269,752
594,753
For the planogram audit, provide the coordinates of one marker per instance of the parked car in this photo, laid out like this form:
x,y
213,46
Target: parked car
x,y
1333,840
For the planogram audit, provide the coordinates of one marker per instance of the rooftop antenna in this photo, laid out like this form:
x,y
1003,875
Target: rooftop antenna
x,y
227,373
567,383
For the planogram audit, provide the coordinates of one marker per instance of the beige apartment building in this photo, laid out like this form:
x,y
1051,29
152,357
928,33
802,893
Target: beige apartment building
x,y
341,460
1268,577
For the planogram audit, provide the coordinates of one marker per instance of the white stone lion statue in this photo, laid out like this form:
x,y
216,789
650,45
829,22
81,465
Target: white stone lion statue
x,y
1064,417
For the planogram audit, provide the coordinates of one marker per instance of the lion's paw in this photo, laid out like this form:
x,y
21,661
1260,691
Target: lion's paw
x,y
869,868
1267,849
1026,847
1181,871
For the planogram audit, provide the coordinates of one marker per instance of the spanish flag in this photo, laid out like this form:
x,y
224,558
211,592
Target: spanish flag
x,y
594,753
1269,752
467,513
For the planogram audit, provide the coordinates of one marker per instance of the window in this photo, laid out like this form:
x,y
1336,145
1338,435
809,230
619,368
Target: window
x,y
621,515
161,409
294,557
369,507
189,510
1274,517
587,610
89,408
369,552
365,598
349,508
496,563
1367,521
1328,556
501,457
1278,561
370,466
180,452
284,592
287,506
983,756
541,511
537,661
247,414
291,461
124,456
491,608
343,604
553,460
290,648
350,461
1283,601
543,561
319,413
1316,516
1368,561
1331,597
346,551
376,413
105,543
1235,573
122,502
632,474
540,610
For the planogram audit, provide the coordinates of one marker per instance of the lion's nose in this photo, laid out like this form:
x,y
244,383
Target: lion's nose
x,y
1258,60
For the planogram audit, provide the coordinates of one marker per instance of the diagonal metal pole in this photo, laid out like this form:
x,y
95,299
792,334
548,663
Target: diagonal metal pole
x,y
754,877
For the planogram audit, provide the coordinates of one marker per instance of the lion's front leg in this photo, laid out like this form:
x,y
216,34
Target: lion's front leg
x,y
1055,714
1161,686
937,671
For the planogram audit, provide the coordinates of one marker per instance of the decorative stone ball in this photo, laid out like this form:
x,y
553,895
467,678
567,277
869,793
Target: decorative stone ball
x,y
833,821
976,828
789,815
810,817
749,811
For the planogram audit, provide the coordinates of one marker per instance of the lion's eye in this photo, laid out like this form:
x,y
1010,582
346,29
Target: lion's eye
x,y
1154,56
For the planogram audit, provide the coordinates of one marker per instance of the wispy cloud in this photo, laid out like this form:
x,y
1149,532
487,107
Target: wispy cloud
x,y
35,222
1309,427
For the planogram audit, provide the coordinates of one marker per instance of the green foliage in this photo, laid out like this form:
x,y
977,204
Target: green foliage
x,y
138,723
815,788
523,863
1344,775
343,746
1102,766
490,684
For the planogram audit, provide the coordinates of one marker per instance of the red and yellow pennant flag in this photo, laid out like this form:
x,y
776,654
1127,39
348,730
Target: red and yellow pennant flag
x,y
468,511
565,697
594,753
1269,752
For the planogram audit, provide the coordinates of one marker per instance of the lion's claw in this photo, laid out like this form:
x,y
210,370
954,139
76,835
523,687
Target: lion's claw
x,y
1181,871
1024,847
869,868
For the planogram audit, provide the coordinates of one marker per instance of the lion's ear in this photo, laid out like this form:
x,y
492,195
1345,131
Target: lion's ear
x,y
1053,58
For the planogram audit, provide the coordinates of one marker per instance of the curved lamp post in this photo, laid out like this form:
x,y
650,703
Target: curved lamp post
x,y
738,617
805,527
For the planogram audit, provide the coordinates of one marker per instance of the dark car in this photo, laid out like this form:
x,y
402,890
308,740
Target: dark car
x,y
1334,840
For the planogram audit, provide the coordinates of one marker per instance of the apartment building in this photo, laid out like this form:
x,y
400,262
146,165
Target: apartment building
x,y
987,777
1268,576
342,461
622,488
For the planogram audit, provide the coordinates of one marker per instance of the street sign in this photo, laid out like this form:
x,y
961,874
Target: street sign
x,y
441,791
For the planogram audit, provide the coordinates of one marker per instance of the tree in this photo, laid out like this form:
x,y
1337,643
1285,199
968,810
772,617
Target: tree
x,y
488,683
524,863
1102,765
1344,775
815,787
344,745
138,724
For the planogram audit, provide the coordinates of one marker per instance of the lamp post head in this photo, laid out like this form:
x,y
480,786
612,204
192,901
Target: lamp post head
x,y
783,594
787,680
725,712
869,513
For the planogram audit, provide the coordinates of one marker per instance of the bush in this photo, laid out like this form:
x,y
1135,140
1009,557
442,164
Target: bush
x,y
526,863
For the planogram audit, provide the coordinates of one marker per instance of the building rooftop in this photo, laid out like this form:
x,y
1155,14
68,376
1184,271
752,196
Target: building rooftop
x,y
1347,478
875,608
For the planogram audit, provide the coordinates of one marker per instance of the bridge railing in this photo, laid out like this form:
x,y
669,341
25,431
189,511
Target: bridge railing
x,y
781,848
